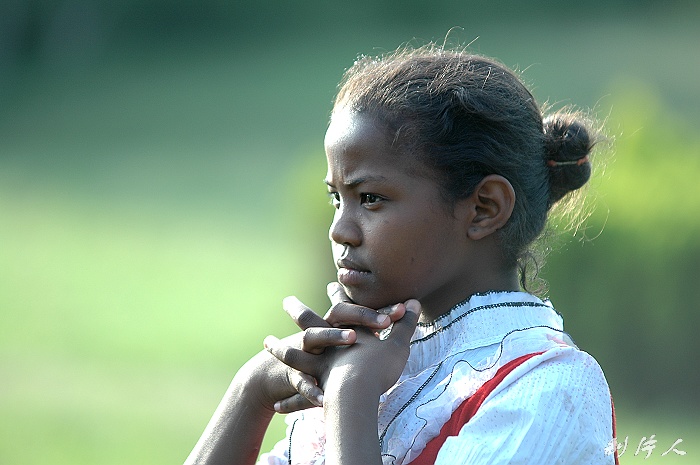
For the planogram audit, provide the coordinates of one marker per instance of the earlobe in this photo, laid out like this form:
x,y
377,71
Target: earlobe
x,y
491,205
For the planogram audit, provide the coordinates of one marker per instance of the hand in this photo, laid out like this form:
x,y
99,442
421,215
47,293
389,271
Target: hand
x,y
270,381
275,382
320,333
344,312
355,366
238,425
372,363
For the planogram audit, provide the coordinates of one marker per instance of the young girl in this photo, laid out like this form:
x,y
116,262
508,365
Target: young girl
x,y
442,171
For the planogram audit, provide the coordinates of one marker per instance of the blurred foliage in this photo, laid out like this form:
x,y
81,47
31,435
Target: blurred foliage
x,y
628,287
161,169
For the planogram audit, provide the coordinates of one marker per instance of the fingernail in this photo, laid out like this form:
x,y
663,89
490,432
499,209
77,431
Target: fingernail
x,y
381,319
278,406
413,306
332,288
270,341
290,303
319,399
345,335
388,310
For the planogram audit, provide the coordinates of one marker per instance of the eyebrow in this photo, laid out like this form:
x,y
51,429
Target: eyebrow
x,y
357,181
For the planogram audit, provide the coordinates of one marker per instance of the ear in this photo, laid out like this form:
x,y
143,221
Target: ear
x,y
490,206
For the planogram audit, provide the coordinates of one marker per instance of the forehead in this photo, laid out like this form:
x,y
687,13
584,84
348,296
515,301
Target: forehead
x,y
348,127
356,141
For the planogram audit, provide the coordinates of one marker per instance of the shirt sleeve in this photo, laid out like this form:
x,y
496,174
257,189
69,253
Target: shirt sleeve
x,y
556,409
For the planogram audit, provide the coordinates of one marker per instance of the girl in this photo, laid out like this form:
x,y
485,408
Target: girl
x,y
442,171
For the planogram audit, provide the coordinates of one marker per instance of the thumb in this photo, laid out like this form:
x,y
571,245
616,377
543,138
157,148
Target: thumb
x,y
404,328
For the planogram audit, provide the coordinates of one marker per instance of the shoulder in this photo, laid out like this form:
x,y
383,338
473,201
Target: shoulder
x,y
561,384
561,369
553,408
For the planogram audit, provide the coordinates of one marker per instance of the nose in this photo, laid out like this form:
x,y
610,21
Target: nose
x,y
345,228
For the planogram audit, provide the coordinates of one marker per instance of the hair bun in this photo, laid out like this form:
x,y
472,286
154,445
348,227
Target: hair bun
x,y
568,142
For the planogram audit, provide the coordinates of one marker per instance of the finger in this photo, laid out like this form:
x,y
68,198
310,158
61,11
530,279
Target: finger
x,y
310,394
404,328
336,293
315,340
302,315
395,312
292,404
349,314
290,356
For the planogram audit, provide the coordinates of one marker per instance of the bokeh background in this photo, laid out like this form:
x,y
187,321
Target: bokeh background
x,y
160,193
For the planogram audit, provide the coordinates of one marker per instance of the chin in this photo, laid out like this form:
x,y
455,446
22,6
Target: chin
x,y
371,300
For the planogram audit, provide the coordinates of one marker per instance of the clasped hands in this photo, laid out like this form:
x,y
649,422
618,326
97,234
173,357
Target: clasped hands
x,y
342,347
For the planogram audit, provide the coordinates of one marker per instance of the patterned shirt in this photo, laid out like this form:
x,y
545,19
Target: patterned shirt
x,y
554,407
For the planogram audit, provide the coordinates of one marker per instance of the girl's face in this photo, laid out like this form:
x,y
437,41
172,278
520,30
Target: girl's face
x,y
393,236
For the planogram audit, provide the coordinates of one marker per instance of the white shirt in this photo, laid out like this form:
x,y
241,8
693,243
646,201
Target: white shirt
x,y
553,408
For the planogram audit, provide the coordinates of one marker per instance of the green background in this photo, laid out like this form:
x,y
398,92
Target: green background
x,y
161,169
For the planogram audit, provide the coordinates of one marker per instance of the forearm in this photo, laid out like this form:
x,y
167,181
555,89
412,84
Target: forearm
x,y
236,430
351,426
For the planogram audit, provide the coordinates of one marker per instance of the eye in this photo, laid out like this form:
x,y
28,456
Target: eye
x,y
369,199
334,199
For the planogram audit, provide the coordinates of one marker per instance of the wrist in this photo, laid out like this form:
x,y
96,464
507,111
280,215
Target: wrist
x,y
238,426
345,382
351,424
348,396
251,382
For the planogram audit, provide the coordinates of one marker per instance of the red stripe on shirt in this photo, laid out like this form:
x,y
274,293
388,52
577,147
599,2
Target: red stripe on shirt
x,y
466,411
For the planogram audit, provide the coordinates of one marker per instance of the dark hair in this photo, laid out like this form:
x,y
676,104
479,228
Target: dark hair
x,y
468,116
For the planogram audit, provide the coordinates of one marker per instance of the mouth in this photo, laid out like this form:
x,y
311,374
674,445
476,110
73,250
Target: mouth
x,y
350,273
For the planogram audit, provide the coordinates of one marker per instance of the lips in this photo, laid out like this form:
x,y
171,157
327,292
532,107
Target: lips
x,y
351,273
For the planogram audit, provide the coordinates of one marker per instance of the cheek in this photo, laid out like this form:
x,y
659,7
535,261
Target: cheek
x,y
410,249
406,258
429,250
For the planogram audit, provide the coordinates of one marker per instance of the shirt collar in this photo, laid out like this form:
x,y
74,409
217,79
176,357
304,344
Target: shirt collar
x,y
482,320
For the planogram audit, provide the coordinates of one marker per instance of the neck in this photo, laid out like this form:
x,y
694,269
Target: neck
x,y
445,301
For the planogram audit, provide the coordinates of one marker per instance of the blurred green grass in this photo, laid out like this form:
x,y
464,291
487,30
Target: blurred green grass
x,y
156,207
642,427
121,329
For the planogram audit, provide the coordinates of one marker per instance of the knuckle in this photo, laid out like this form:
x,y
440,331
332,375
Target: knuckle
x,y
294,403
366,315
287,405
288,355
304,387
300,403
306,318
336,308
335,313
364,312
299,384
307,339
325,334
315,339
